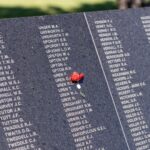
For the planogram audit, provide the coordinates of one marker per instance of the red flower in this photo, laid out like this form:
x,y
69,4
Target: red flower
x,y
76,77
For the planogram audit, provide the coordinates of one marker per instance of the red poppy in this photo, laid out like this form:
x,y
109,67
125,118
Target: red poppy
x,y
76,77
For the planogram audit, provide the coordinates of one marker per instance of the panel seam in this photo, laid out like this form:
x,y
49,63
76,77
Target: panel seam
x,y
100,62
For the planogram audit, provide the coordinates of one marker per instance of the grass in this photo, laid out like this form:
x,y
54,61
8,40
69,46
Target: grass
x,y
67,5
17,8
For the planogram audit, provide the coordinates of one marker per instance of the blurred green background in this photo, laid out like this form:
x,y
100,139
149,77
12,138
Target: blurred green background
x,y
20,8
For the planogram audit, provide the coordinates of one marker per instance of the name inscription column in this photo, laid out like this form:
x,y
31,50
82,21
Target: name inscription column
x,y
146,24
18,133
129,92
75,106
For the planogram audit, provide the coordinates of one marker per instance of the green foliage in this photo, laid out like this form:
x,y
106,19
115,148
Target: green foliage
x,y
7,12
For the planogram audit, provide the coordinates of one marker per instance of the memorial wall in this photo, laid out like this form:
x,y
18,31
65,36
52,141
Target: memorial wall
x,y
41,108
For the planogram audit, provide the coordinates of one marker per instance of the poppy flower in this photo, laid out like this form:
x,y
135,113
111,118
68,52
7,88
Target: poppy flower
x,y
76,77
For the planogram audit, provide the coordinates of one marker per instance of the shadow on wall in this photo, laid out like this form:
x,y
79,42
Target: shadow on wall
x,y
9,12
